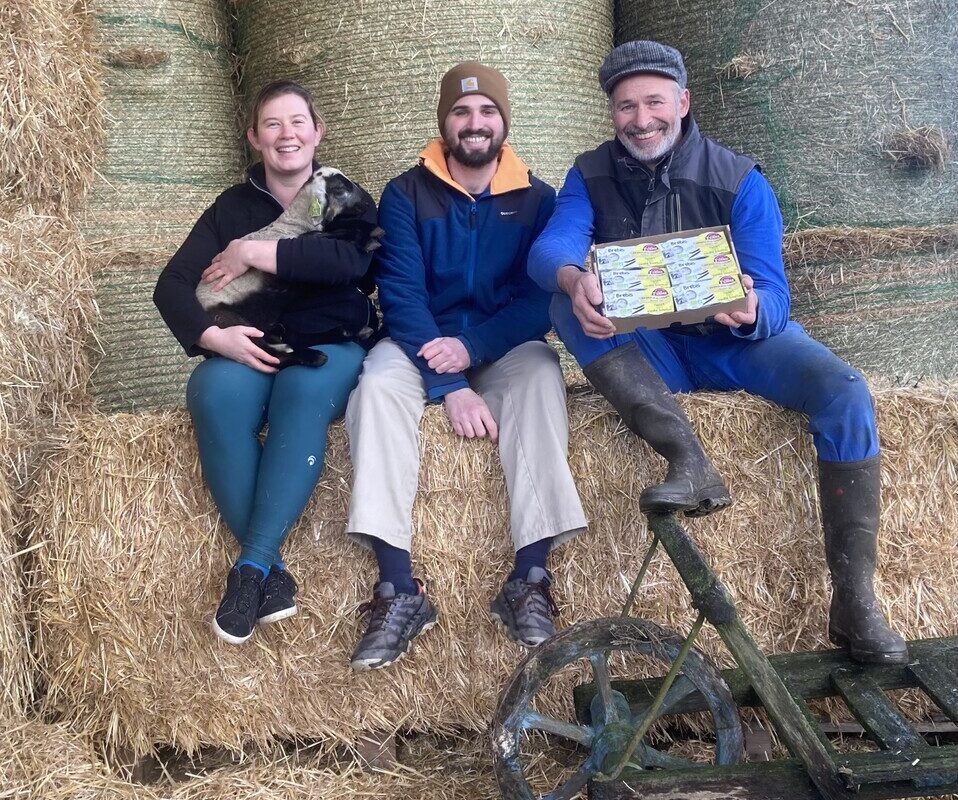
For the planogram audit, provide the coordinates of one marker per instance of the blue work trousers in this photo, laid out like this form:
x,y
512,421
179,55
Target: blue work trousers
x,y
790,369
259,488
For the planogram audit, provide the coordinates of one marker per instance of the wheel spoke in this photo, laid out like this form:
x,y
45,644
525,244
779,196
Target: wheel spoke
x,y
662,760
567,730
600,674
575,784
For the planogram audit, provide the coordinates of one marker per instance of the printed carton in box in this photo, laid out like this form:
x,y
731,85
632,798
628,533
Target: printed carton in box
x,y
680,278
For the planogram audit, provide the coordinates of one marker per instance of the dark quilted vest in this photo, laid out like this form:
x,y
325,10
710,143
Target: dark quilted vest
x,y
694,187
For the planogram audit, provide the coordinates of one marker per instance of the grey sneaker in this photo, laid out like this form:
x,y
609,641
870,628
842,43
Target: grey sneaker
x,y
394,621
526,609
279,596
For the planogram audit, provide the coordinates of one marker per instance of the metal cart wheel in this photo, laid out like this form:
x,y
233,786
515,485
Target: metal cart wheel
x,y
612,721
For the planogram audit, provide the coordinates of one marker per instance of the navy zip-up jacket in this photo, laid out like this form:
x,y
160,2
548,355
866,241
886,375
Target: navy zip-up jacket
x,y
455,265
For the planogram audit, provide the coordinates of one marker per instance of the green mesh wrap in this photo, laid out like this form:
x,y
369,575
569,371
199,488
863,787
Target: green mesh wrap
x,y
833,98
894,317
172,145
375,71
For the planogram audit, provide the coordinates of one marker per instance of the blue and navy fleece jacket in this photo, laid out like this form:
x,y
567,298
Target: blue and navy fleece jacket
x,y
695,172
455,265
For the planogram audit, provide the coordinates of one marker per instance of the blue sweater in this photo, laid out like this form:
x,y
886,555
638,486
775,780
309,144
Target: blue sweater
x,y
455,265
756,231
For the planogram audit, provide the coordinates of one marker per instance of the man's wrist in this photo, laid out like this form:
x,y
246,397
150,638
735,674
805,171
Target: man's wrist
x,y
567,275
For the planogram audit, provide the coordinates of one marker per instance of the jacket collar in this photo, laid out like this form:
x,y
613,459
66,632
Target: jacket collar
x,y
256,175
511,174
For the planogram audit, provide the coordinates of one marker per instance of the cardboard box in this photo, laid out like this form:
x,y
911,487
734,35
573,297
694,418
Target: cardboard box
x,y
680,278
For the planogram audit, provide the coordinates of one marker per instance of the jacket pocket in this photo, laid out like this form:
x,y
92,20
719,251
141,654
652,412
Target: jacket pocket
x,y
609,228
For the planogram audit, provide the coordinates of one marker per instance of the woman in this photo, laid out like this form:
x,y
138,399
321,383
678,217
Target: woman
x,y
261,489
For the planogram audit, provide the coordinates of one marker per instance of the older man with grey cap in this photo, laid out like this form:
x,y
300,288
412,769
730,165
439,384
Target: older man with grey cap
x,y
660,175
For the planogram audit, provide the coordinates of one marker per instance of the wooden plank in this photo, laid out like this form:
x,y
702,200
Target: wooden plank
x,y
939,680
806,674
872,708
890,767
773,780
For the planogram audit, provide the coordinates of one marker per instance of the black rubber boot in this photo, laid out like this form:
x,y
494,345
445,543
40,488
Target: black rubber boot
x,y
647,407
851,499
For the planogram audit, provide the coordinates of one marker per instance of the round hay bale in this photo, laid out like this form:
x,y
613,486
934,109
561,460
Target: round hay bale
x,y
51,119
106,616
171,143
375,71
852,108
886,316
138,365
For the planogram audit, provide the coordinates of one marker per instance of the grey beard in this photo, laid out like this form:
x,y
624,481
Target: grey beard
x,y
655,156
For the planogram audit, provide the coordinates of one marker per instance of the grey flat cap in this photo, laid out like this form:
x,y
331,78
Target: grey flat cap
x,y
641,56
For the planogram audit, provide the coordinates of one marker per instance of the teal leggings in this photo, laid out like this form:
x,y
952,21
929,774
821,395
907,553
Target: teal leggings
x,y
261,489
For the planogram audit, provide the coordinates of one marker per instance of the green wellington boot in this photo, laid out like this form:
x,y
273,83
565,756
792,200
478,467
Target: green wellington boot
x,y
850,502
647,407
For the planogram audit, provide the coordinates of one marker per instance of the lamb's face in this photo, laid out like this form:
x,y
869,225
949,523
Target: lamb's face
x,y
340,192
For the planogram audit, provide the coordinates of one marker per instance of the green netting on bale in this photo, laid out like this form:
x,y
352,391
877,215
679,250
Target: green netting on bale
x,y
172,143
375,69
851,107
894,317
138,365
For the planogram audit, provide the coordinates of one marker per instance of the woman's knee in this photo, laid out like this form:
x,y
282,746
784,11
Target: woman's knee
x,y
219,389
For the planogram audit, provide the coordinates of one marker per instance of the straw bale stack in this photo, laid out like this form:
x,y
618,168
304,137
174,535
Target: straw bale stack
x,y
50,104
887,316
375,69
133,563
852,108
171,141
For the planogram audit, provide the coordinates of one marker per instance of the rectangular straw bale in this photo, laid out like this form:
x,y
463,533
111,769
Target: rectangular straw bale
x,y
51,762
16,673
133,564
46,313
51,120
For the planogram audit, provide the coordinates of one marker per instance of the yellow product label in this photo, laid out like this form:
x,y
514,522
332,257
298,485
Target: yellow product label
x,y
712,243
654,277
658,300
648,255
719,264
726,288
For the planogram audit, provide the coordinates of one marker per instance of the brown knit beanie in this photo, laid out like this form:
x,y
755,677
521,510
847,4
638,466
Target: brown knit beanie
x,y
471,77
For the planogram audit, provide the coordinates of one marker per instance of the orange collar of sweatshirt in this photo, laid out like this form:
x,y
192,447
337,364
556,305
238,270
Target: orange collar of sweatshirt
x,y
512,173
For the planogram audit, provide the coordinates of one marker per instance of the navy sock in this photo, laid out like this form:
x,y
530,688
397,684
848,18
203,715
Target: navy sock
x,y
260,567
532,555
395,567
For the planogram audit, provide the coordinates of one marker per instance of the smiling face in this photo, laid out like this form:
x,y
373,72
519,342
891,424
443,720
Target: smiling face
x,y
647,112
285,136
474,131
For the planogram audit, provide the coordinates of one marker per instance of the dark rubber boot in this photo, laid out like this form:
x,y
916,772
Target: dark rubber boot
x,y
850,499
647,407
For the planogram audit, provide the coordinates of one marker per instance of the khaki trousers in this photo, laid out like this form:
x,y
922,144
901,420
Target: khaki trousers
x,y
526,395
